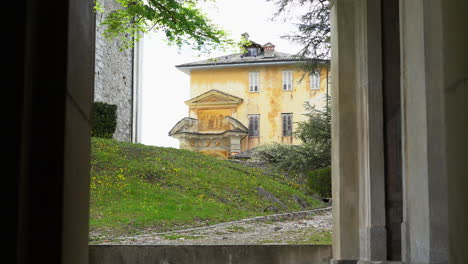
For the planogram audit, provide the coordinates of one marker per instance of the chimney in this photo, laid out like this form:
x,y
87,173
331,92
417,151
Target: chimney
x,y
269,50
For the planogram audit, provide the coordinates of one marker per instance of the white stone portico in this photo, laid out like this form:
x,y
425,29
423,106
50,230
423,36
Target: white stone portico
x,y
399,80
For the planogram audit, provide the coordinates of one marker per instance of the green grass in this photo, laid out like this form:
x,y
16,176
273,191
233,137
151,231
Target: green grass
x,y
136,188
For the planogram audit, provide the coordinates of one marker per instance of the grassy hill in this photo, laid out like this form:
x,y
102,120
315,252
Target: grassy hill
x,y
136,187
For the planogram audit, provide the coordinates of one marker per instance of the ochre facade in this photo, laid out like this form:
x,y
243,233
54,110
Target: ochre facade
x,y
221,90
269,102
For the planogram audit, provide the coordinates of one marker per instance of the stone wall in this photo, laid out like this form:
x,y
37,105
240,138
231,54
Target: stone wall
x,y
211,254
114,75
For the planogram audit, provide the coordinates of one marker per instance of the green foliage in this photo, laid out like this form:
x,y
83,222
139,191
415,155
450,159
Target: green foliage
x,y
313,153
274,153
315,133
98,8
181,21
136,187
313,31
319,182
103,120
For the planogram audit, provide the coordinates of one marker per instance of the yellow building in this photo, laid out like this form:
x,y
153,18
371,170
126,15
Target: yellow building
x,y
240,101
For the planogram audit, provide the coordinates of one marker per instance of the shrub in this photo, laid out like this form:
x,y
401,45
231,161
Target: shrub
x,y
312,154
319,182
273,153
103,120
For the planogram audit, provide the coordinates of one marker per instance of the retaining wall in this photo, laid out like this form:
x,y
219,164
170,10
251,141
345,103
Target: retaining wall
x,y
207,254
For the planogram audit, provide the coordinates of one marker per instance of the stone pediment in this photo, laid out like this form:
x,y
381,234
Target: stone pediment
x,y
187,124
190,126
214,98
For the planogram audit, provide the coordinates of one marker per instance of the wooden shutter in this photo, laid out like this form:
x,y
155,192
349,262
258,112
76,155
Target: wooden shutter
x,y
287,80
253,81
254,124
286,124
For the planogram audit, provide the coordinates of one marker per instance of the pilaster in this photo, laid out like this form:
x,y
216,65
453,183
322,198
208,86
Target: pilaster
x,y
345,186
372,229
424,161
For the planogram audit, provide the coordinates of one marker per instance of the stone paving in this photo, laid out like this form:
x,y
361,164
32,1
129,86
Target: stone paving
x,y
292,228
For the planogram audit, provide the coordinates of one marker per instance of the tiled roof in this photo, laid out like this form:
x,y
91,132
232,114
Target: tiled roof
x,y
237,58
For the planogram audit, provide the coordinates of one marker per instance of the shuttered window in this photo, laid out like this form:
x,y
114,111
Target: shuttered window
x,y
254,125
253,81
315,81
287,80
286,120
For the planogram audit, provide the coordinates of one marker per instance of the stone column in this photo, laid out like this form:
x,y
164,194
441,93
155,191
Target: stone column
x,y
425,228
372,230
235,144
345,189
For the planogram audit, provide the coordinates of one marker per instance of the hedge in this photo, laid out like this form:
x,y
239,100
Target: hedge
x,y
103,120
319,182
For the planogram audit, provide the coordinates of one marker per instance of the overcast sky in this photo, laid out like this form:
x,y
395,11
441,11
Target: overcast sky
x,y
165,88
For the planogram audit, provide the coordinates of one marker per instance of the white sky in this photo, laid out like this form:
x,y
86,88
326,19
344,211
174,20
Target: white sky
x,y
165,88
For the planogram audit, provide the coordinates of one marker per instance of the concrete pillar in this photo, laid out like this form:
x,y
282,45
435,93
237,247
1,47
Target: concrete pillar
x,y
77,132
53,142
345,189
372,230
425,226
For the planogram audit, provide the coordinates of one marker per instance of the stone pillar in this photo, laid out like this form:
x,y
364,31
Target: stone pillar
x,y
425,226
372,230
235,145
345,189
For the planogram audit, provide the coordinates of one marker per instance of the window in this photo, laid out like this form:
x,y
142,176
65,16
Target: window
x,y
254,125
252,52
286,120
253,81
287,80
315,81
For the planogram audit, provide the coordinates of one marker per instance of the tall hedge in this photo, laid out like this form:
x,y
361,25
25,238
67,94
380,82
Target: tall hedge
x,y
319,182
103,120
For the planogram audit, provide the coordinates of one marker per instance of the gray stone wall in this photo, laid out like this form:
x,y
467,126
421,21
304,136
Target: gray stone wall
x,y
114,75
210,254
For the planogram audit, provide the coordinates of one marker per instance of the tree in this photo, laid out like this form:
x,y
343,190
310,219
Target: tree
x,y
315,133
313,29
307,164
181,21
312,154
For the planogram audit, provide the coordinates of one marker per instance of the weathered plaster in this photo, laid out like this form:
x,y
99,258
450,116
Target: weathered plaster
x,y
269,102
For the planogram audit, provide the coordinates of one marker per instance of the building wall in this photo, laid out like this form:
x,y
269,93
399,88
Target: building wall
x,y
269,102
114,75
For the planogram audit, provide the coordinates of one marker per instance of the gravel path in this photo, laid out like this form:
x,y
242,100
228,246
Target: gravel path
x,y
264,231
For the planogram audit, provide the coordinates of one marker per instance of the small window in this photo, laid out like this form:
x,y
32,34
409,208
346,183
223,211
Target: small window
x,y
253,81
287,80
315,81
253,52
286,120
254,125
